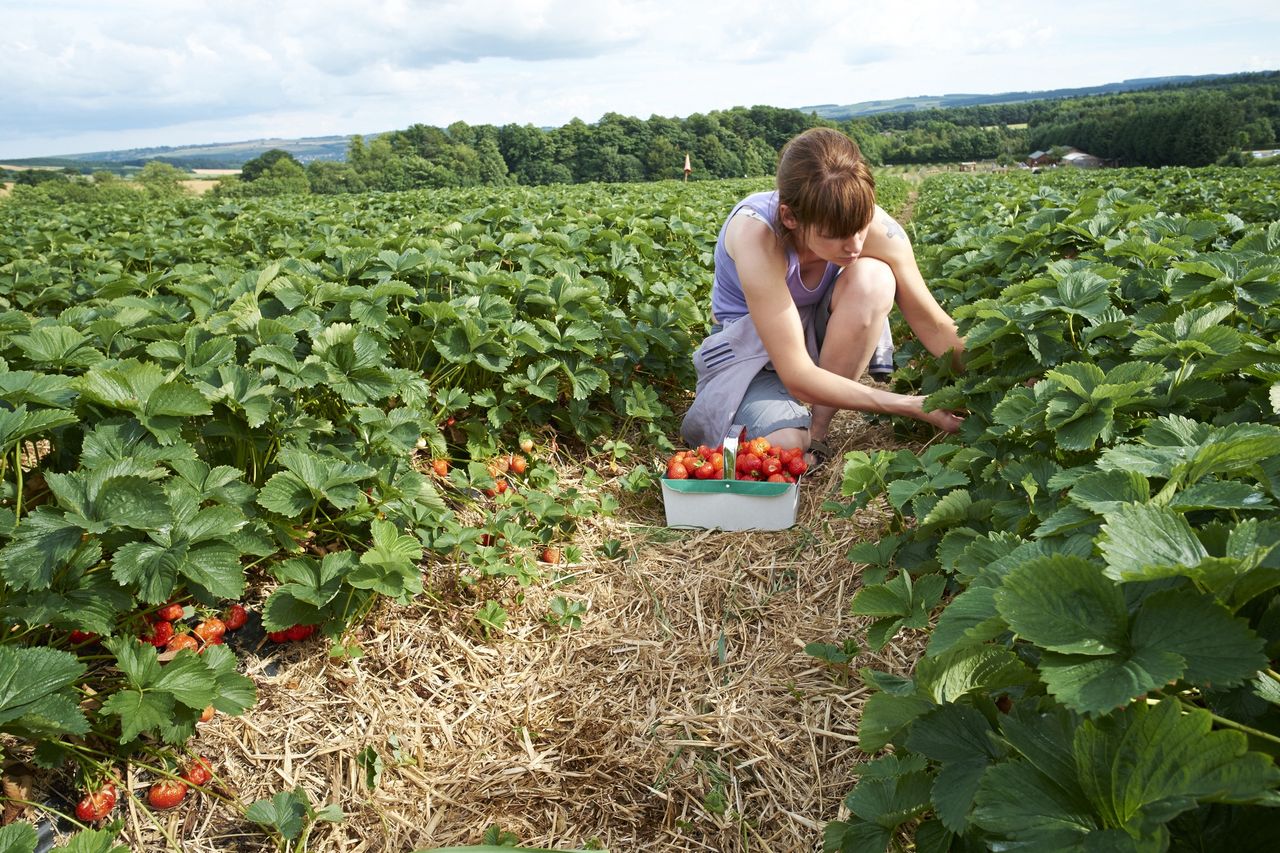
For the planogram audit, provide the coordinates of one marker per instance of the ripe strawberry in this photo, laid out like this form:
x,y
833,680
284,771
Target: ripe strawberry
x,y
550,554
278,636
770,465
517,464
97,805
166,793
198,772
211,630
180,642
797,466
161,634
300,632
235,616
440,467
777,478
677,471
78,636
171,612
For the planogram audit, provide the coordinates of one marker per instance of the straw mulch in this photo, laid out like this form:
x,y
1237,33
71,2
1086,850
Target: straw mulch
x,y
682,715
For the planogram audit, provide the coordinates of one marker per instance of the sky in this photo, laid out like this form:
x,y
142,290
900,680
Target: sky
x,y
99,75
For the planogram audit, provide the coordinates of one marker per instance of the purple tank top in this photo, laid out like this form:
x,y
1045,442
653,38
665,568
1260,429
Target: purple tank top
x,y
727,300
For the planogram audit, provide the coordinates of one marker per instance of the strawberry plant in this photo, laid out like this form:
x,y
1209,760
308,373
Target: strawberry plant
x,y
1101,536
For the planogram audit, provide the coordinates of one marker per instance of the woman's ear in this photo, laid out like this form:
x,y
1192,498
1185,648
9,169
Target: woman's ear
x,y
787,218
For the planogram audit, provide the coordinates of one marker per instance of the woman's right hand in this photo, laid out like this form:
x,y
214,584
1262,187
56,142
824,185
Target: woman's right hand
x,y
943,419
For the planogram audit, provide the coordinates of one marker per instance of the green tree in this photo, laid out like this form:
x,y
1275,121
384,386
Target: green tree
x,y
331,176
161,180
258,166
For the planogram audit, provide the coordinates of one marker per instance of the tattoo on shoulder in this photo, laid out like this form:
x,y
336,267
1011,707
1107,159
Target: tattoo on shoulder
x,y
893,229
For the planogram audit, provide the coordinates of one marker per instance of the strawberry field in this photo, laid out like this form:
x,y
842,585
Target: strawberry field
x,y
336,410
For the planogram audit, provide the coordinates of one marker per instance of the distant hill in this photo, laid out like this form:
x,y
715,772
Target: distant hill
x,y
837,112
221,155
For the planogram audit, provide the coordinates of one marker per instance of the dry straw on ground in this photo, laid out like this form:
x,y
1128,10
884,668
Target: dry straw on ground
x,y
682,715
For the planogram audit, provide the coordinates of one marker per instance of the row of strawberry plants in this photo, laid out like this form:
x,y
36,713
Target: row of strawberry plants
x,y
195,398
1102,532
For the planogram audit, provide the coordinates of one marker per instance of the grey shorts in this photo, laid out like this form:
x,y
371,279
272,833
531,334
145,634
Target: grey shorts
x,y
768,406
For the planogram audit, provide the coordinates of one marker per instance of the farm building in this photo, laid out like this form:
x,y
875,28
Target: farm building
x,y
1081,160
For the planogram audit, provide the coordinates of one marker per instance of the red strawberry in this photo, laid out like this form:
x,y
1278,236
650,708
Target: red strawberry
x,y
211,630
166,793
198,772
171,612
300,632
161,634
180,642
97,805
235,616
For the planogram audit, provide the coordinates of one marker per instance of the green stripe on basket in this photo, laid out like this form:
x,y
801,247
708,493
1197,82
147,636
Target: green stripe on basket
x,y
726,487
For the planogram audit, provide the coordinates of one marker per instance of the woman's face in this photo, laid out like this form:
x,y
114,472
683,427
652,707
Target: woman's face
x,y
837,250
841,251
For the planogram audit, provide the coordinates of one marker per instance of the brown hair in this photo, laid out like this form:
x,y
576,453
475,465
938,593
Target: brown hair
x,y
826,184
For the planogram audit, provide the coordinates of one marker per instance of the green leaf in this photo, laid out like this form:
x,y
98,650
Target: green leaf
x,y
900,602
972,669
1106,491
1017,801
885,716
152,568
1219,649
286,813
18,837
1096,685
970,618
1142,767
1144,541
92,841
890,799
139,711
235,693
42,545
34,681
1065,604
188,679
287,494
390,566
959,738
1221,494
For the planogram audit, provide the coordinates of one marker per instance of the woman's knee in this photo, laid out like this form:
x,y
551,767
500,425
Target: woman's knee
x,y
867,294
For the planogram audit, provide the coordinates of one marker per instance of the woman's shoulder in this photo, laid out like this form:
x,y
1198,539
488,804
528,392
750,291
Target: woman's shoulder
x,y
765,202
886,233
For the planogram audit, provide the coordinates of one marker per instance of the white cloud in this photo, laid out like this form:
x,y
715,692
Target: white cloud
x,y
76,73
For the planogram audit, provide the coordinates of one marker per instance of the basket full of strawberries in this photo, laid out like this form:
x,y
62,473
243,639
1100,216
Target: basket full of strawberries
x,y
743,484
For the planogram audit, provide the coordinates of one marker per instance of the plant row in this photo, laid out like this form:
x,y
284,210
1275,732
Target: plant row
x,y
1095,557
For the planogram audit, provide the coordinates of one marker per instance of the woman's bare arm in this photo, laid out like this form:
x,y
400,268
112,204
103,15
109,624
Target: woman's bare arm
x,y
888,241
762,269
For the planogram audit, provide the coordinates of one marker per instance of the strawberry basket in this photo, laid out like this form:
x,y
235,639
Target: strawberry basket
x,y
727,503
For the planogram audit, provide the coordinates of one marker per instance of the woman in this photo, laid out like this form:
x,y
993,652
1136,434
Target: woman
x,y
805,278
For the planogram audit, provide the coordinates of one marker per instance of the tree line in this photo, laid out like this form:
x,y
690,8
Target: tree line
x,y
1190,124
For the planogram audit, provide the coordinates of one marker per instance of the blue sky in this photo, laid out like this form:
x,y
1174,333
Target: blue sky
x,y
90,76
